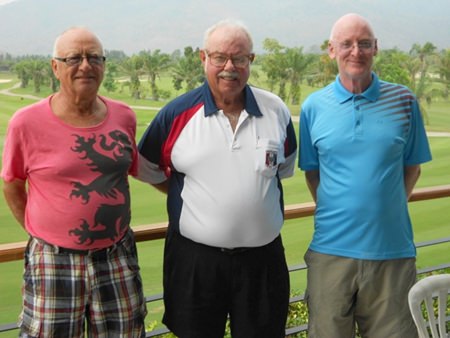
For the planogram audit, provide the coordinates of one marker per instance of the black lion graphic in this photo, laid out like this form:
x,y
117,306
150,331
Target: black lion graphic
x,y
110,182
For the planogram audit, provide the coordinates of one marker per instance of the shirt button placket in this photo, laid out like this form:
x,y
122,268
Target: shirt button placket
x,y
357,114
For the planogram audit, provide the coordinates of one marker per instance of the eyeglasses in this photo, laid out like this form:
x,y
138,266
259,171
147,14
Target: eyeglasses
x,y
239,61
93,60
364,45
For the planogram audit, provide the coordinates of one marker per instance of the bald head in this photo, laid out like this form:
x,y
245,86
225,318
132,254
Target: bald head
x,y
75,35
351,22
353,45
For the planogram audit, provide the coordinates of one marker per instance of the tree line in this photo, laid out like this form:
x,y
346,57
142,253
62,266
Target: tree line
x,y
284,69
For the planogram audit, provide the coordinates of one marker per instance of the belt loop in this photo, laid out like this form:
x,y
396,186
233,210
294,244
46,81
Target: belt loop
x,y
112,248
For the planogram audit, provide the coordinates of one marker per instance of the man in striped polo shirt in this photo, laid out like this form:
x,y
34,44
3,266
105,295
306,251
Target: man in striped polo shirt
x,y
362,142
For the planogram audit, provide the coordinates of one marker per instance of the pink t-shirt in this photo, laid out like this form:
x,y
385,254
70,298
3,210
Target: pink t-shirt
x,y
78,192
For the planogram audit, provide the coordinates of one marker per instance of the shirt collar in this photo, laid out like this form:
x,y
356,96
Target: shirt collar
x,y
250,105
372,93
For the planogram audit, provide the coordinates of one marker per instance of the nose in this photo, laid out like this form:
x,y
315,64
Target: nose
x,y
84,62
355,49
229,64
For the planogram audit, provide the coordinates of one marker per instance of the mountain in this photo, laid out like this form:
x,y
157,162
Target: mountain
x,y
31,26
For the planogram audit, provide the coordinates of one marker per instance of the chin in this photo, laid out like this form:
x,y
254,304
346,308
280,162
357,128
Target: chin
x,y
356,74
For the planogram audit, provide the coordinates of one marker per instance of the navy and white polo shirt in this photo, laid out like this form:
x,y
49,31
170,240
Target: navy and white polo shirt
x,y
224,187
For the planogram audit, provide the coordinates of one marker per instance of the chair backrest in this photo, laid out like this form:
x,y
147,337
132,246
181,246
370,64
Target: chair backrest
x,y
424,291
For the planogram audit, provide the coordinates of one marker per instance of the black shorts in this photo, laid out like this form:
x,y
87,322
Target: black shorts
x,y
204,285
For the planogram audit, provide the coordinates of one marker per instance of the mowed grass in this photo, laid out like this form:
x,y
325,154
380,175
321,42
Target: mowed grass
x,y
430,218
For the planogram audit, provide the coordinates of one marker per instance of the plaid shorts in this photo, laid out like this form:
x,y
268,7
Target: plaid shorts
x,y
66,294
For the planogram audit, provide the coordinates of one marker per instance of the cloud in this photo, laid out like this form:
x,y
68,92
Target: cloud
x,y
4,2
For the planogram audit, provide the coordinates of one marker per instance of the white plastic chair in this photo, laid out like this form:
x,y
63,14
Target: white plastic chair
x,y
425,290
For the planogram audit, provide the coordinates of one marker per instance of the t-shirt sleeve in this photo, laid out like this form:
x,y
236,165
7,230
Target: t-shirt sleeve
x,y
14,157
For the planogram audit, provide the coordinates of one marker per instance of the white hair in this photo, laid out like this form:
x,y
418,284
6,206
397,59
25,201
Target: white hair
x,y
231,24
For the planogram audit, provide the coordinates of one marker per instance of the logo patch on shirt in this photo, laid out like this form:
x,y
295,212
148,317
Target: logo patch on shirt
x,y
271,158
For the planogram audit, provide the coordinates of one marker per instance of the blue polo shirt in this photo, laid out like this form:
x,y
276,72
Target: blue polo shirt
x,y
360,143
224,187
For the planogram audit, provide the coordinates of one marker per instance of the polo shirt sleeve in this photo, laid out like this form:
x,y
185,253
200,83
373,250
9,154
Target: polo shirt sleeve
x,y
286,169
308,158
150,153
417,148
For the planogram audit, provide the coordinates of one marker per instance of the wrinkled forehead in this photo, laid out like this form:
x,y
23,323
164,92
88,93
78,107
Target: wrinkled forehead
x,y
229,40
78,41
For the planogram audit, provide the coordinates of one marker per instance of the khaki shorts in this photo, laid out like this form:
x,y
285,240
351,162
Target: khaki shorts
x,y
373,294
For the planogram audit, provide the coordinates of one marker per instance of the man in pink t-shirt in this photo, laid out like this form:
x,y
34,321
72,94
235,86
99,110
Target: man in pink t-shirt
x,y
66,163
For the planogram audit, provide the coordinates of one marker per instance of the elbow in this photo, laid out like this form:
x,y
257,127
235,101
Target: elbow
x,y
419,171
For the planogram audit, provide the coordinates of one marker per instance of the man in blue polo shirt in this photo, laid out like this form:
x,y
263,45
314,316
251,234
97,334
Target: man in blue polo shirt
x,y
362,141
219,152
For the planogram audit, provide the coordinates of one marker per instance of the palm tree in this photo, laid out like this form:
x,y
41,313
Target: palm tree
x,y
391,66
153,65
274,65
34,69
109,82
297,63
327,68
188,69
422,58
48,73
444,71
23,72
132,67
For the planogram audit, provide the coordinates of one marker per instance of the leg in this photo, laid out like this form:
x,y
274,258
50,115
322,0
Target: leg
x,y
53,293
260,292
118,306
196,288
382,310
330,295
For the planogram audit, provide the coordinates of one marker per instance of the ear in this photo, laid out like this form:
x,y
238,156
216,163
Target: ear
x,y
202,55
55,68
375,50
331,50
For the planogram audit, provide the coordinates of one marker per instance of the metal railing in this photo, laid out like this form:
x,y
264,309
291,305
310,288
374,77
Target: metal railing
x,y
14,251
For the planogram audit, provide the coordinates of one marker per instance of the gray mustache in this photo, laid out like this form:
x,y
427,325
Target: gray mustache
x,y
229,75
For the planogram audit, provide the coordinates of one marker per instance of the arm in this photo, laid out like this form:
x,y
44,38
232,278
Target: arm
x,y
150,173
411,175
16,197
163,186
312,180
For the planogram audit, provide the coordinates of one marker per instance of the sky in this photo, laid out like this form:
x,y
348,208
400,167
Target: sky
x,y
31,26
